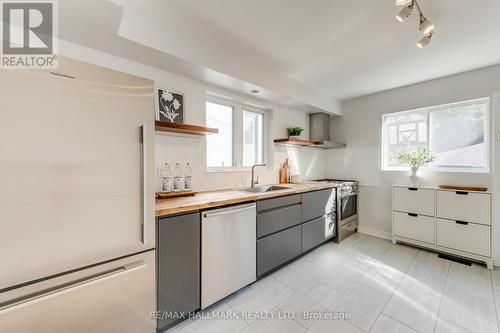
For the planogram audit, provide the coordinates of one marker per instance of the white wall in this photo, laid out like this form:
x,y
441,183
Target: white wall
x,y
360,129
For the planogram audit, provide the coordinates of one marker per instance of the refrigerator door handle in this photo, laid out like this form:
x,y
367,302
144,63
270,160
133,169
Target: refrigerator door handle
x,y
64,288
143,196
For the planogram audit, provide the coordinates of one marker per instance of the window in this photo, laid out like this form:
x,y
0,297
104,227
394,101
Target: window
x,y
253,138
456,133
220,151
241,141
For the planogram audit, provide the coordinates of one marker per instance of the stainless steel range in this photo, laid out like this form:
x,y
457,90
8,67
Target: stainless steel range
x,y
347,206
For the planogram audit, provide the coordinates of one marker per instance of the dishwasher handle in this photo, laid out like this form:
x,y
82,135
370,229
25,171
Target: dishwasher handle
x,y
229,210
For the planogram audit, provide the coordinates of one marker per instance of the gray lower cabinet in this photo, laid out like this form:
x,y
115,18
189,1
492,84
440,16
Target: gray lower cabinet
x,y
313,233
314,204
278,202
274,250
278,219
178,251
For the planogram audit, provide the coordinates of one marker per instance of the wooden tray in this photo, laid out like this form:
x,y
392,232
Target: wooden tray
x,y
168,195
464,188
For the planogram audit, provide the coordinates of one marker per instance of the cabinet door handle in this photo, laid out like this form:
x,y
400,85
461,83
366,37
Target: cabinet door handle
x,y
462,222
412,214
412,189
462,193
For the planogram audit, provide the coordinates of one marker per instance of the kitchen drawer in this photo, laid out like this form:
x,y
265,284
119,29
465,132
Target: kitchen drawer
x,y
278,202
278,219
277,249
314,204
414,200
464,206
314,233
347,229
417,227
471,237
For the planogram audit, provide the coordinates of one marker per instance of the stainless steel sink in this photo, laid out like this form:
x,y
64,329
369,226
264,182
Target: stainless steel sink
x,y
262,189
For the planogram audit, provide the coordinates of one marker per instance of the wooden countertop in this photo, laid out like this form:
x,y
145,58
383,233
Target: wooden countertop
x,y
210,199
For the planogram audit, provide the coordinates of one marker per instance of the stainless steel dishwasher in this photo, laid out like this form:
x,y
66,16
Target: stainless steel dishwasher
x,y
228,251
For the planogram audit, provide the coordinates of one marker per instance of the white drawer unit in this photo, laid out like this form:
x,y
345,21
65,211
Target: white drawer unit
x,y
414,200
464,236
417,227
449,221
464,206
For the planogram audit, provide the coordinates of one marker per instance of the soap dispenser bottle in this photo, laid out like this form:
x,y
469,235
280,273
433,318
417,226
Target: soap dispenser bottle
x,y
167,178
188,177
178,178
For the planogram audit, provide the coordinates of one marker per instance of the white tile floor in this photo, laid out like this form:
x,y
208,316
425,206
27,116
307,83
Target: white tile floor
x,y
385,288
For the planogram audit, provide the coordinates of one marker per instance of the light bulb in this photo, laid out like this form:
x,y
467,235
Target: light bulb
x,y
426,26
404,13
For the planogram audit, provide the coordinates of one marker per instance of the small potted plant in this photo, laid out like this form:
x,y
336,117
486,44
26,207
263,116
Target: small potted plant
x,y
294,131
415,160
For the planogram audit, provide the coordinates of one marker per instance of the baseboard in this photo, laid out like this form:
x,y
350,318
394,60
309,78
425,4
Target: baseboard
x,y
375,232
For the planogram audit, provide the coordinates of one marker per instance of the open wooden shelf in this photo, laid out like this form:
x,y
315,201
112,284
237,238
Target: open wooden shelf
x,y
164,126
305,143
294,142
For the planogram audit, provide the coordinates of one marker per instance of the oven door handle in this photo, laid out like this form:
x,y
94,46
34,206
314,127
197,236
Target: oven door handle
x,y
348,195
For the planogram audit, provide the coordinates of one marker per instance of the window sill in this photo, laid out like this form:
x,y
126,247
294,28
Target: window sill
x,y
441,170
246,169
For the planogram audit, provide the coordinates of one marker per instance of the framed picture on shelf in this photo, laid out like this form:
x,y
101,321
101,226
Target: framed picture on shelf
x,y
170,106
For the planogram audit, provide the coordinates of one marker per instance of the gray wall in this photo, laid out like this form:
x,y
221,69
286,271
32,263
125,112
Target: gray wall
x,y
360,129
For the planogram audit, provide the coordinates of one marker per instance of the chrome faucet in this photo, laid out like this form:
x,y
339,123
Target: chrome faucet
x,y
253,182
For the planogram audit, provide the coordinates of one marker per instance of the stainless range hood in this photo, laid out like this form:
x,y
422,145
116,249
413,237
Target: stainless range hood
x,y
319,131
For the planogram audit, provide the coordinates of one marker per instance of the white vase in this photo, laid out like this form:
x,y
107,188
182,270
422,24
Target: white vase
x,y
414,179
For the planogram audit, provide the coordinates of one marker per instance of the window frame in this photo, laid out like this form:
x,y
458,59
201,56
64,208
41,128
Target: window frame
x,y
233,106
487,139
265,141
238,109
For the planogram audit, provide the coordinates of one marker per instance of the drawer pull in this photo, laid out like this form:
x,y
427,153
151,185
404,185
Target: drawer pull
x,y
462,222
412,189
413,214
462,193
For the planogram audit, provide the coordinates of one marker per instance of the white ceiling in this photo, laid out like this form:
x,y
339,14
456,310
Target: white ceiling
x,y
347,48
143,32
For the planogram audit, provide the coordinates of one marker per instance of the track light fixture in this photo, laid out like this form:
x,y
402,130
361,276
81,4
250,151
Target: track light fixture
x,y
402,2
425,25
424,41
404,13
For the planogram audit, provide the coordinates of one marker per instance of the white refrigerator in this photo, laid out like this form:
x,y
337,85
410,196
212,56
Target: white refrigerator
x,y
77,242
